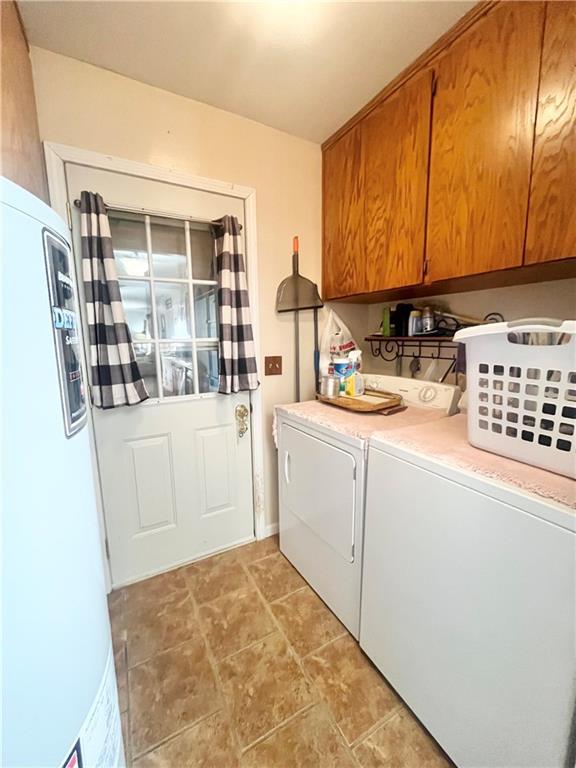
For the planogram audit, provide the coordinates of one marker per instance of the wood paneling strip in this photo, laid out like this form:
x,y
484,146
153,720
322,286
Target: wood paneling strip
x,y
21,156
551,231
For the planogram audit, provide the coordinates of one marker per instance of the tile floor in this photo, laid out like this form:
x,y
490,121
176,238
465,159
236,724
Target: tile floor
x,y
234,662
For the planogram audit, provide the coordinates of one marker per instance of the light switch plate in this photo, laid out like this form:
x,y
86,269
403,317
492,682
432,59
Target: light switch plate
x,y
273,365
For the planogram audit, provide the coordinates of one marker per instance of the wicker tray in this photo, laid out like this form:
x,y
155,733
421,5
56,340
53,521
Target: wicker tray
x,y
370,402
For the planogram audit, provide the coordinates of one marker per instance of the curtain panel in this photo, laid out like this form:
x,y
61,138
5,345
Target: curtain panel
x,y
237,359
114,374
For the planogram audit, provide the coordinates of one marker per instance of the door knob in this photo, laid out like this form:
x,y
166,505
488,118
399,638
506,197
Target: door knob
x,y
242,413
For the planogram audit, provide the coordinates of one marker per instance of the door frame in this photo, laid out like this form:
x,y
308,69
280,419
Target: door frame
x,y
57,155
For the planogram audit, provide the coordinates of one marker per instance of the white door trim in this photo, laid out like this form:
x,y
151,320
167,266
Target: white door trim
x,y
58,154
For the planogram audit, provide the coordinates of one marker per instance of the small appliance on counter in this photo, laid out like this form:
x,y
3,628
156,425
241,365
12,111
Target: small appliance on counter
x,y
522,391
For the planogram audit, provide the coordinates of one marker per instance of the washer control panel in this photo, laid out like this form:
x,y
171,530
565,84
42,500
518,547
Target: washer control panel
x,y
426,394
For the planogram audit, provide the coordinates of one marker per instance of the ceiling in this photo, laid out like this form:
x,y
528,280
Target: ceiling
x,y
302,67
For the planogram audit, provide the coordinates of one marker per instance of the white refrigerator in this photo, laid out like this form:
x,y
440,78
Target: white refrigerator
x,y
59,697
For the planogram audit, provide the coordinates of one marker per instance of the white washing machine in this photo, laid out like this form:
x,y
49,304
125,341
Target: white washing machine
x,y
469,600
322,478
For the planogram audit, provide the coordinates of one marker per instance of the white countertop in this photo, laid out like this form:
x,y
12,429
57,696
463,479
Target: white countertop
x,y
446,441
360,425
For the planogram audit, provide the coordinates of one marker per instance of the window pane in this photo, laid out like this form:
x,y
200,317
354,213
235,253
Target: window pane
x,y
172,310
202,248
205,311
146,359
129,243
168,248
177,369
137,308
208,369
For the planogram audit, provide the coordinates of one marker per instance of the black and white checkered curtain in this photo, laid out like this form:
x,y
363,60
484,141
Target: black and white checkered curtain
x,y
237,358
114,372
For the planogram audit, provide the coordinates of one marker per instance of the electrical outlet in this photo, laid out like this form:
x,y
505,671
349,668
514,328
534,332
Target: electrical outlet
x,y
273,366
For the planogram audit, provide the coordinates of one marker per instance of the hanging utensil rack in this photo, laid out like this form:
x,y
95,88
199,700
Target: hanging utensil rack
x,y
390,348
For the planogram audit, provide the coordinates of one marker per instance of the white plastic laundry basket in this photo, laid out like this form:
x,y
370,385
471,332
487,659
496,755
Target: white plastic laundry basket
x,y
521,380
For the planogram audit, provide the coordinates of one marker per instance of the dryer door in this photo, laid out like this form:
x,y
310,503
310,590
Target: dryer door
x,y
319,487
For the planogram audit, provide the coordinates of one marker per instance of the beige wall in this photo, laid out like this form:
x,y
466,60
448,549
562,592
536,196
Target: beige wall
x,y
21,157
91,108
551,299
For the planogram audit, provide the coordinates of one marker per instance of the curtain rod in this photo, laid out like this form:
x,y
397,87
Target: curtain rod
x,y
143,211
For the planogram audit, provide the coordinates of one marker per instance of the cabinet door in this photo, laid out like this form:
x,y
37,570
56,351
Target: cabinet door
x,y
396,138
482,134
344,268
552,215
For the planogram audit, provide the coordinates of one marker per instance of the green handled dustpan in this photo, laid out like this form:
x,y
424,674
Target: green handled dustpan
x,y
296,293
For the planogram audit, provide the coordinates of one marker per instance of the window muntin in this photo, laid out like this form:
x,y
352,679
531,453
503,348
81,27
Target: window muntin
x,y
166,273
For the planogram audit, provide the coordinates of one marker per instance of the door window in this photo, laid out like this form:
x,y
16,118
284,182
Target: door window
x,y
166,272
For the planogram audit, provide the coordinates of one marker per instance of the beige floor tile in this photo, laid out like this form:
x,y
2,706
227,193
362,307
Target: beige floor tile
x,y
123,697
158,614
258,549
115,600
400,743
308,741
209,744
275,576
307,622
158,624
126,737
216,576
233,621
120,666
263,685
356,694
118,639
165,586
116,611
170,691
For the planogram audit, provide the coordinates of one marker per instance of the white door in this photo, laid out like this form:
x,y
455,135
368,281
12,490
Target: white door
x,y
176,470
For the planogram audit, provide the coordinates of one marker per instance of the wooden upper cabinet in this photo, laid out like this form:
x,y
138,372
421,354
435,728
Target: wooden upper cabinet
x,y
344,265
552,214
396,138
482,135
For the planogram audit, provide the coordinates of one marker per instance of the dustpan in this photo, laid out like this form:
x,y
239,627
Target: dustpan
x,y
295,294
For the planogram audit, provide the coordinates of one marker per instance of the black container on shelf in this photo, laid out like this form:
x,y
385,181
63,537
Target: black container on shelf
x,y
399,317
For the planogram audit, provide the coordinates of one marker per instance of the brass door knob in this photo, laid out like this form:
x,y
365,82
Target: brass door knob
x,y
242,413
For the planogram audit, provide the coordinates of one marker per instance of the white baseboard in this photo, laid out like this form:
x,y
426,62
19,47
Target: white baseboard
x,y
269,530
